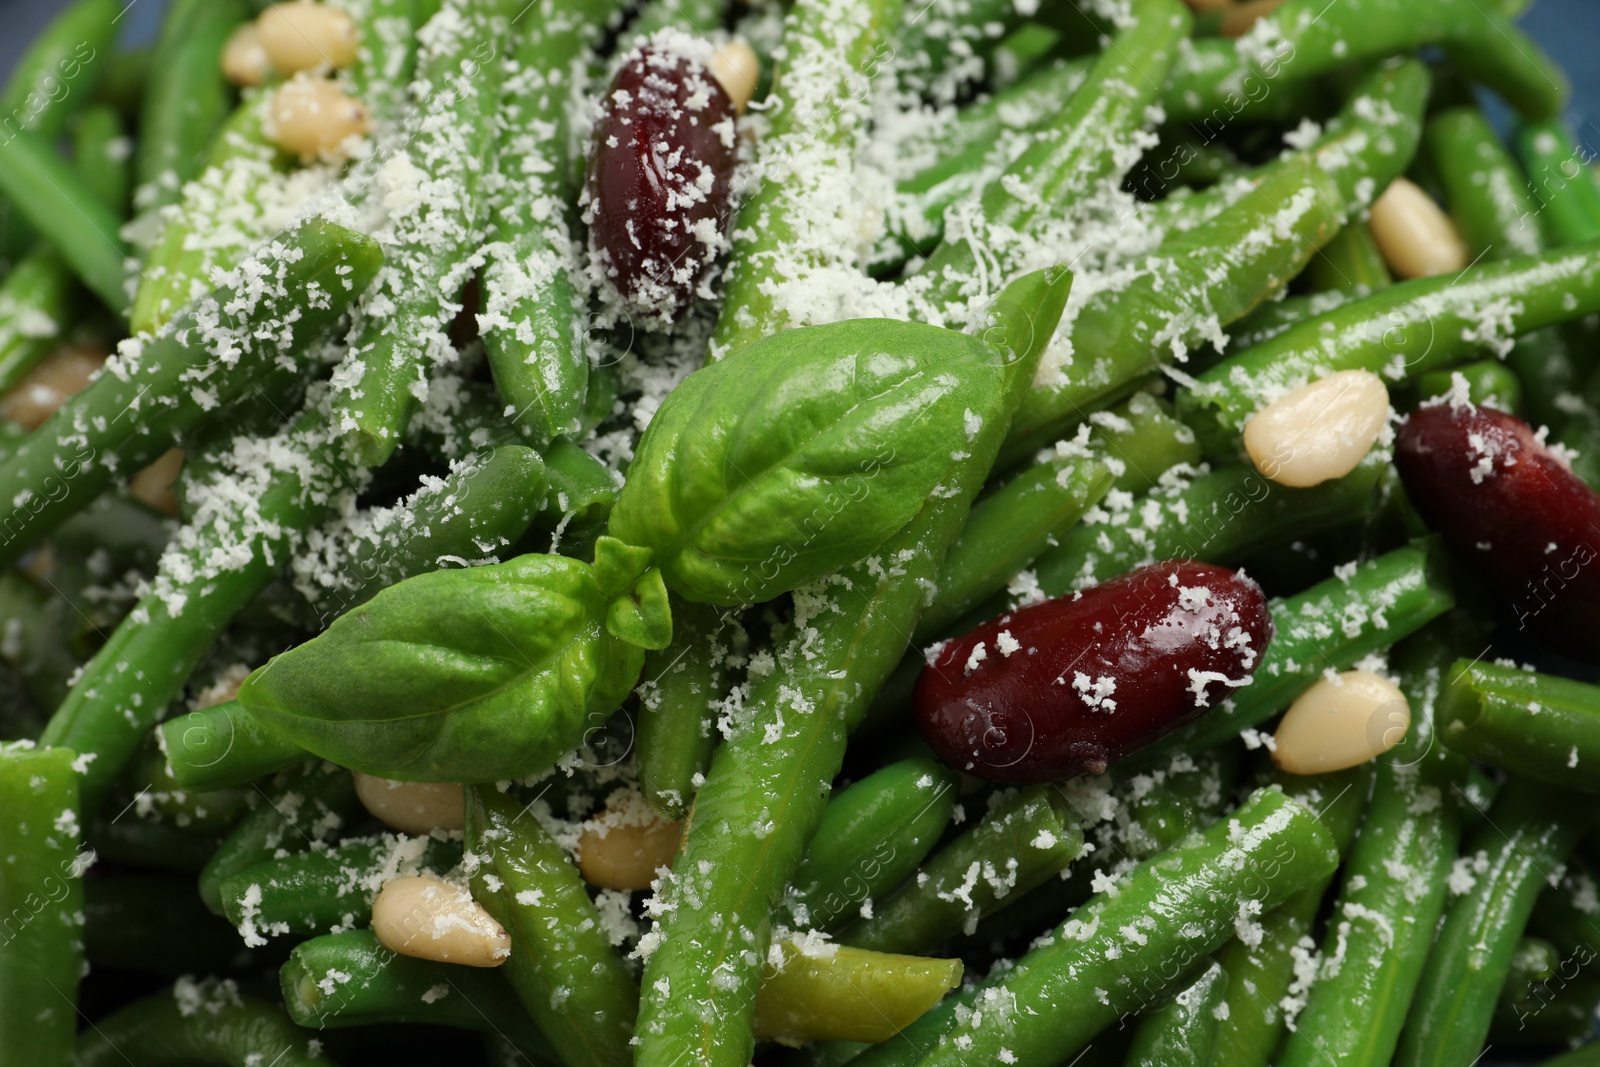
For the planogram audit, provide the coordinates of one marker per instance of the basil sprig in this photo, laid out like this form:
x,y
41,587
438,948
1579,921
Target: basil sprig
x,y
475,675
803,453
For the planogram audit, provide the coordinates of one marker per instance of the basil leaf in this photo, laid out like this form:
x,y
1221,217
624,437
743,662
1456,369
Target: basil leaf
x,y
473,675
803,453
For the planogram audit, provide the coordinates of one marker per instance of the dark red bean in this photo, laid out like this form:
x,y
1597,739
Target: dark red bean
x,y
1069,686
1483,480
660,180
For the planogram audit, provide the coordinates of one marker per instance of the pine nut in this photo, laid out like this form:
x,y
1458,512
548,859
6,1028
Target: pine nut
x,y
1240,17
63,373
413,807
1205,7
1319,431
431,919
737,69
1341,722
312,117
305,36
1414,234
157,485
623,846
244,60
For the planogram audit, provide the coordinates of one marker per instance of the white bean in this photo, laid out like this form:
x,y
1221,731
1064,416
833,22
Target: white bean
x,y
313,117
1341,722
244,60
1319,431
306,36
1414,234
431,919
413,807
737,69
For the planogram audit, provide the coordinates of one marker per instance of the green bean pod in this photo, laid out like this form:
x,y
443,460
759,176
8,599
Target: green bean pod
x,y
1489,382
148,845
1547,998
400,332
1333,624
1536,726
322,889
775,238
1269,849
348,979
1263,972
299,809
198,1022
699,17
763,795
871,838
677,718
1350,263
848,994
1183,1031
1399,332
223,746
1561,179
177,379
186,98
1021,842
35,301
63,207
100,151
386,57
41,896
1532,829
562,965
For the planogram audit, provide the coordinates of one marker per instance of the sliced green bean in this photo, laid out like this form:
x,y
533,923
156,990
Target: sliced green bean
x,y
223,746
41,897
198,1022
1269,849
349,979
562,965
1531,830
1534,725
298,810
848,994
1489,382
1184,1030
677,716
872,836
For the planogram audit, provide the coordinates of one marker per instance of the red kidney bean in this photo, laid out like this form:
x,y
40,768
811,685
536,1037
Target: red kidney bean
x,y
658,195
1069,686
1485,481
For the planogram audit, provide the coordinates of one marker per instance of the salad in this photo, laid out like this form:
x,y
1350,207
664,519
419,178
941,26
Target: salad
x,y
956,532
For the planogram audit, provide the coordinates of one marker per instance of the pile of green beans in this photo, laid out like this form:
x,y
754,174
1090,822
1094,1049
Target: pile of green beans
x,y
652,601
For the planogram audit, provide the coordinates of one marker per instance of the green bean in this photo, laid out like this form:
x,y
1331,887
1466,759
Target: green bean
x,y
299,809
92,439
1268,850
401,330
215,221
1215,273
1212,89
223,746
64,209
1587,1055
677,699
1271,319
848,994
186,98
1402,331
157,795
1558,1012
1559,173
34,645
1184,1030
533,315
158,846
699,17
1489,382
1264,977
1565,911
35,301
349,979
1021,842
1333,624
1531,830
815,116
1394,884
122,82
325,889
762,796
1536,726
198,1022
1064,162
582,489
155,923
1220,516
386,57
942,45
41,897
871,838
562,965
100,148
1350,263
